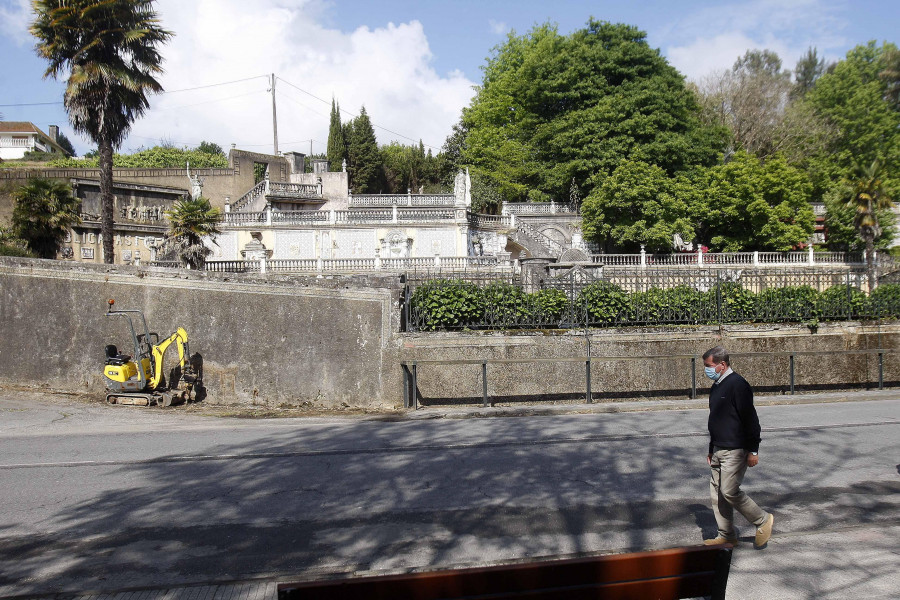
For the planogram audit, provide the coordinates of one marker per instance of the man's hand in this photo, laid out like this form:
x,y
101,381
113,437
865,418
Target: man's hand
x,y
709,459
752,460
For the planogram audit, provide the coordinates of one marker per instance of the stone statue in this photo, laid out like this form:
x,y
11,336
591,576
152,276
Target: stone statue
x,y
196,183
459,188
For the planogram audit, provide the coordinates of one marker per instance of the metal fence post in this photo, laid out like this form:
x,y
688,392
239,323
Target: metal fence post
x,y
484,385
415,388
792,374
881,370
405,386
693,378
587,377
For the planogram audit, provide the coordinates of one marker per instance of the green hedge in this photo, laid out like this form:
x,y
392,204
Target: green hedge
x,y
455,304
153,158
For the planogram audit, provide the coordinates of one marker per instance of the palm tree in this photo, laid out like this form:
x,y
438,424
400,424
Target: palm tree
x,y
45,210
190,222
108,48
865,192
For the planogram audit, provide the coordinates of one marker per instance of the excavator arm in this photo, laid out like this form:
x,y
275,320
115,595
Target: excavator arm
x,y
180,337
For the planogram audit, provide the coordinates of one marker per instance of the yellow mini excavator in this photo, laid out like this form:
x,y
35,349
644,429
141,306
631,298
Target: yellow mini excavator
x,y
138,379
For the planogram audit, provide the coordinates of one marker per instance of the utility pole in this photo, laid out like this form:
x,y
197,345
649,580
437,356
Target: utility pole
x,y
274,118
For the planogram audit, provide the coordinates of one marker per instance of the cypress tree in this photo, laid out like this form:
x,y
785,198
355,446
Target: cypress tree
x,y
337,145
364,157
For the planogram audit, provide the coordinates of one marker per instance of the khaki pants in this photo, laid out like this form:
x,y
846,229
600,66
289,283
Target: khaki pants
x,y
727,470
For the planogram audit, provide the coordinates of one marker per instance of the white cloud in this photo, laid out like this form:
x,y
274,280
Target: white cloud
x,y
388,69
787,27
705,56
498,27
15,18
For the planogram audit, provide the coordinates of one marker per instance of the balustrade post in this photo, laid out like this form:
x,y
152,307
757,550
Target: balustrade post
x,y
700,257
377,260
408,197
812,259
332,216
320,264
552,207
268,211
262,264
643,257
437,261
394,217
512,220
756,258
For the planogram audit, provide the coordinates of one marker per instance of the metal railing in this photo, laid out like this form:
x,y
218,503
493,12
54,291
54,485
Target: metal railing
x,y
411,394
634,297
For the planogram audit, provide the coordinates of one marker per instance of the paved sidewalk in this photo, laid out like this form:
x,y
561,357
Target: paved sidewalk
x,y
260,590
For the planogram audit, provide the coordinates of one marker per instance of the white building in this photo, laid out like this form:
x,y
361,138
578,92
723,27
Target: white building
x,y
19,137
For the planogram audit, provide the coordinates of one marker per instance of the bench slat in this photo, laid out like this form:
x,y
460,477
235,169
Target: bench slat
x,y
675,573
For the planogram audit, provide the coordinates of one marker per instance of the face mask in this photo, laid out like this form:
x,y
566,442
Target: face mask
x,y
711,373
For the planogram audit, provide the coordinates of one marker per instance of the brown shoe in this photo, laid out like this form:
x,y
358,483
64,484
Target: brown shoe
x,y
721,540
764,532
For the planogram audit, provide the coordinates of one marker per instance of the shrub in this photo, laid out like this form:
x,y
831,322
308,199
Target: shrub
x,y
792,303
605,303
729,302
884,301
842,302
549,306
505,305
152,158
680,304
445,304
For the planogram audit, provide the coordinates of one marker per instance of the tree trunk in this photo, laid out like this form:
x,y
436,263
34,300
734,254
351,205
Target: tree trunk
x,y
105,151
870,258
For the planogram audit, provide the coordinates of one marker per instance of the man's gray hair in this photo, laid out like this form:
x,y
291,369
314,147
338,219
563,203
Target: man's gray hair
x,y
718,354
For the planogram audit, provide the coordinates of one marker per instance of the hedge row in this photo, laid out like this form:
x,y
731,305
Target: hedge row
x,y
456,304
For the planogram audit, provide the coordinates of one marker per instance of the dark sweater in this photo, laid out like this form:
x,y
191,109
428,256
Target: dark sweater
x,y
732,417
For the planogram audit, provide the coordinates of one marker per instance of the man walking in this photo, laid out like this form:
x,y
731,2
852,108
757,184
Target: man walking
x,y
733,446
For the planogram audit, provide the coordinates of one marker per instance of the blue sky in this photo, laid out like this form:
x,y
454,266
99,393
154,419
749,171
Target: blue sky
x,y
412,64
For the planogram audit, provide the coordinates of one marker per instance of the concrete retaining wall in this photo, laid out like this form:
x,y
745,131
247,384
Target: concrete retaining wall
x,y
331,341
262,340
641,375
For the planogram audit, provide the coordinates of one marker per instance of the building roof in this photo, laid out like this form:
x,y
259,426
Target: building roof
x,y
20,127
28,127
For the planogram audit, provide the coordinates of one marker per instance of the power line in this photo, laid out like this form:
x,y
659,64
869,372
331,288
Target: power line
x,y
356,115
199,87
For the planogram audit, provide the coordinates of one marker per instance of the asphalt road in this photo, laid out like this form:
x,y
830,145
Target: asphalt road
x,y
102,498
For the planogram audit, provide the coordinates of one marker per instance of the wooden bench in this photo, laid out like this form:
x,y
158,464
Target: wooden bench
x,y
689,572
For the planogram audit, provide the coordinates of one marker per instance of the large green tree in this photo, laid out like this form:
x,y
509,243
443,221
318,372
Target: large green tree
x,y
364,159
108,51
639,204
855,98
748,204
753,100
554,107
44,212
337,146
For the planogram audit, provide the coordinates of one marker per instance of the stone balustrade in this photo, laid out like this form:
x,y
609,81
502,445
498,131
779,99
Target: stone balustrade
x,y
358,216
379,200
739,259
536,208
